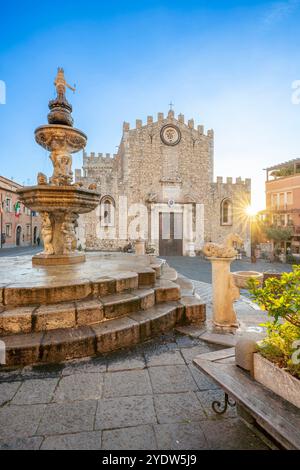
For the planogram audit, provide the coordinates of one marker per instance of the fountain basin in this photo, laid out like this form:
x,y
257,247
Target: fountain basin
x,y
62,204
58,136
241,278
47,198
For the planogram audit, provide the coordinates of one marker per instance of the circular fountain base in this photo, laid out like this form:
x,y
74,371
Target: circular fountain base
x,y
50,314
58,260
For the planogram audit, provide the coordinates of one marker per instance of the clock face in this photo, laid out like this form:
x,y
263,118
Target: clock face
x,y
170,134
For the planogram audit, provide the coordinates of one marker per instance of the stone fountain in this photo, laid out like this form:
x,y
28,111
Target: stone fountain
x,y
59,201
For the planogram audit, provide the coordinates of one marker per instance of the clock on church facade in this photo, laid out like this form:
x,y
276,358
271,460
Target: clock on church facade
x,y
170,134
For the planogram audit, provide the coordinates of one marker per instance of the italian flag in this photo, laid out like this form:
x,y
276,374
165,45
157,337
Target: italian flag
x,y
17,209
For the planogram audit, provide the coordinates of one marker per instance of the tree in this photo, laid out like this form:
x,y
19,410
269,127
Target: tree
x,y
278,234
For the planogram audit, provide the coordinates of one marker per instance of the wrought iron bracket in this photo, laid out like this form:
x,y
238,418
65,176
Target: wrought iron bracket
x,y
221,409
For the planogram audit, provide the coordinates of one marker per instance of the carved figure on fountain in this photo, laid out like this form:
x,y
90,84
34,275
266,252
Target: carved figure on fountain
x,y
47,234
62,168
42,179
69,234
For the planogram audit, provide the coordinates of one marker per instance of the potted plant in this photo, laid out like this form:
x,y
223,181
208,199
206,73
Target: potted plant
x,y
277,361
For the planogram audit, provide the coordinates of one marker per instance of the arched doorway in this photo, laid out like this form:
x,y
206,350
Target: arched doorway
x,y
18,235
35,235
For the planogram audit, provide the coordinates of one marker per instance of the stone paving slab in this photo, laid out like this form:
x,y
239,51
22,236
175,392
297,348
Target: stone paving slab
x,y
85,366
125,411
127,383
180,436
21,443
79,387
203,382
35,391
134,438
20,421
62,418
78,441
160,358
178,408
147,397
230,434
172,379
7,391
125,361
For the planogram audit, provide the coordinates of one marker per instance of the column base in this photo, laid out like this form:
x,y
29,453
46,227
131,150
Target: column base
x,y
221,328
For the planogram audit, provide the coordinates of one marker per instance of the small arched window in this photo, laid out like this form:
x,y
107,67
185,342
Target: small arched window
x,y
107,212
226,212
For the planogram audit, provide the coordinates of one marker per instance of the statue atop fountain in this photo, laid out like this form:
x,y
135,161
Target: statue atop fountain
x,y
59,201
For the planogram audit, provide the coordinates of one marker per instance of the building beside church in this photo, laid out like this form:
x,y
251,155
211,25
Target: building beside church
x,y
283,203
19,226
160,187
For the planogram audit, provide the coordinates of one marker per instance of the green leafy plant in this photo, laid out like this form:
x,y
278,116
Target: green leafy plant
x,y
278,234
280,298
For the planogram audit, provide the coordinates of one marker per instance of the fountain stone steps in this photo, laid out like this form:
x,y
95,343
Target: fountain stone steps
x,y
32,293
34,318
61,344
61,319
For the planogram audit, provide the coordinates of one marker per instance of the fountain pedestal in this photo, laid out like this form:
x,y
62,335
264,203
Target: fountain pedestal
x,y
225,293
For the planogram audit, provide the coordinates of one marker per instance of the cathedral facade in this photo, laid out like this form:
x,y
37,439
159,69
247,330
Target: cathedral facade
x,y
160,187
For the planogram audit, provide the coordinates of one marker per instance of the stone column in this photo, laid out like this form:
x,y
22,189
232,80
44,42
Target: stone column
x,y
224,293
191,249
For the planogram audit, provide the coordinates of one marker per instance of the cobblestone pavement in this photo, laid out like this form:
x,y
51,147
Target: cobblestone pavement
x,y
20,251
148,397
200,269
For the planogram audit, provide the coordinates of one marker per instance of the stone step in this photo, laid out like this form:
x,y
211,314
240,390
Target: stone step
x,y
68,343
37,293
73,314
194,308
186,286
166,291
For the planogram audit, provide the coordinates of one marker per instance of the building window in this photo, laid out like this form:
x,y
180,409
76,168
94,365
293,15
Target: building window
x,y
107,212
226,212
289,198
28,230
281,200
274,200
8,230
7,204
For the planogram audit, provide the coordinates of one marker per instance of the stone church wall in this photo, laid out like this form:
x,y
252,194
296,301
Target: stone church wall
x,y
150,171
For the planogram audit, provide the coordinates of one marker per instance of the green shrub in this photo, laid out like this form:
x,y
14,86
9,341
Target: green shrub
x,y
280,298
279,345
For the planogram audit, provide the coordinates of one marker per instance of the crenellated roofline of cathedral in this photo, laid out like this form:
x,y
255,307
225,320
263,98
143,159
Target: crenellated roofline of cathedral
x,y
170,116
231,181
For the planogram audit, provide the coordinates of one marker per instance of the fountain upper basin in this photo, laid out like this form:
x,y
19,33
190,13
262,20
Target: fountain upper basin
x,y
47,198
54,136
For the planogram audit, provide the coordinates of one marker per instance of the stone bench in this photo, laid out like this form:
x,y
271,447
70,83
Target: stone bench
x,y
279,418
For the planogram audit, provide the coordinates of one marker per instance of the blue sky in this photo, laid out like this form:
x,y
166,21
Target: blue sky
x,y
228,65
